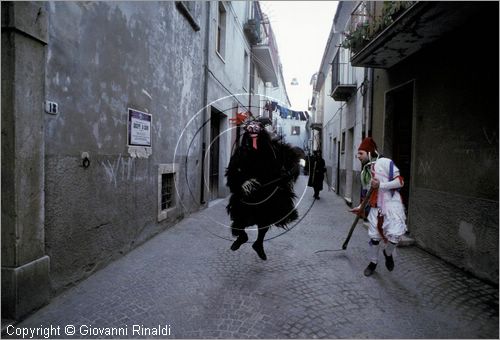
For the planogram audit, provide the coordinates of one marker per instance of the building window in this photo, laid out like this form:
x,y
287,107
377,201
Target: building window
x,y
221,30
295,130
166,189
188,10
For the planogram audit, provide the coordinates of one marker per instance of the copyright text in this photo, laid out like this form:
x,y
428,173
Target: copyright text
x,y
47,332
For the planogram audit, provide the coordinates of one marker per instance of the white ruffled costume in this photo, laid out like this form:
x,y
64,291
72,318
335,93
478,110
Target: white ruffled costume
x,y
389,203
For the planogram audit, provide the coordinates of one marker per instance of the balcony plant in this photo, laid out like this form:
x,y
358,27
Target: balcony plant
x,y
358,38
366,31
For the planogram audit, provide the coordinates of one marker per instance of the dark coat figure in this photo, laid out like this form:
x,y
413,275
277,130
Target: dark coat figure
x,y
260,176
316,173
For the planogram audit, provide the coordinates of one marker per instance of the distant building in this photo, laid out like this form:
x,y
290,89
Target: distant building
x,y
340,99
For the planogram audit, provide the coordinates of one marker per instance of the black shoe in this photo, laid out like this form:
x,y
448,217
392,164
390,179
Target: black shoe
x,y
370,269
239,241
389,262
259,249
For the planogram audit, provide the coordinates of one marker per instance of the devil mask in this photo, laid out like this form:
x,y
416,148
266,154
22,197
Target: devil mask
x,y
253,129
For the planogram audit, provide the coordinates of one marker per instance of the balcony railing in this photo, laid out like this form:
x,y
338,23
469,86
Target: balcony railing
x,y
343,82
367,22
266,51
383,36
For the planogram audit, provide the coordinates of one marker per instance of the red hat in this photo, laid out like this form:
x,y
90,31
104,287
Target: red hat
x,y
368,145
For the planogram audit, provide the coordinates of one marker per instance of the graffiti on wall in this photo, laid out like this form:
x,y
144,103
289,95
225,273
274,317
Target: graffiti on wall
x,y
120,169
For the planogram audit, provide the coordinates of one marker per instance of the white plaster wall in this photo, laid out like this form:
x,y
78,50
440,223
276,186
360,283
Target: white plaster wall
x,y
340,117
295,140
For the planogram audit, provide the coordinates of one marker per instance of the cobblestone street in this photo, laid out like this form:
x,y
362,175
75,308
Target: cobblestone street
x,y
188,278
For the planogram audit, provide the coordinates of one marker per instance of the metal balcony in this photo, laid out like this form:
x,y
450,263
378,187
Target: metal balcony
x,y
264,50
343,84
316,126
265,62
419,25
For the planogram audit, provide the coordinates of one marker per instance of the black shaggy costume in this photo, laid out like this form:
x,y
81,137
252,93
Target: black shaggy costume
x,y
260,175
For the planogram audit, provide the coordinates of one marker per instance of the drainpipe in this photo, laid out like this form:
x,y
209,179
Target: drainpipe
x,y
369,120
340,151
205,103
250,90
251,80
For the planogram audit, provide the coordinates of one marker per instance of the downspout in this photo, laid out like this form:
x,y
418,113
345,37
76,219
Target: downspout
x,y
370,103
340,150
205,103
250,59
250,79
250,82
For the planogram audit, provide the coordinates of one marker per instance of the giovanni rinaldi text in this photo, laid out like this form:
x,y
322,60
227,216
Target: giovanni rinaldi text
x,y
47,332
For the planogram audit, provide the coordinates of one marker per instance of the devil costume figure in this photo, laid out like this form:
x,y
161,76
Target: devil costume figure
x,y
260,176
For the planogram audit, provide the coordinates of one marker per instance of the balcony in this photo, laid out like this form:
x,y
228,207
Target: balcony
x,y
316,126
265,62
343,83
400,34
264,49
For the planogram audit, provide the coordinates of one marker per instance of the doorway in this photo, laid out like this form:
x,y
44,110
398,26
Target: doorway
x,y
337,180
215,120
398,137
349,159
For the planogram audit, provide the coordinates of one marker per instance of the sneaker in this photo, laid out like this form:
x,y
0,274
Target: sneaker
x,y
370,269
389,262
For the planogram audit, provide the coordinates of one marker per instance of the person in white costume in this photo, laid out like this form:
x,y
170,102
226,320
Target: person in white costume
x,y
386,214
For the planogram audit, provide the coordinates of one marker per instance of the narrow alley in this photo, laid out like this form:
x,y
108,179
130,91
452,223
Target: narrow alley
x,y
134,134
187,279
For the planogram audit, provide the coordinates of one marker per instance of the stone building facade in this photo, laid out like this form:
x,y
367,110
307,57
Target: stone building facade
x,y
110,111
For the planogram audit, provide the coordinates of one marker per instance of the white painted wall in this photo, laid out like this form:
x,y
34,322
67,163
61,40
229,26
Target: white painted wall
x,y
340,117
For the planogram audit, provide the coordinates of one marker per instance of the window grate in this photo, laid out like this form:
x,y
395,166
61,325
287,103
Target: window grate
x,y
167,191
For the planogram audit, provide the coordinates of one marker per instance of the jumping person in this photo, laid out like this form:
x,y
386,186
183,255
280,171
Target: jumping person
x,y
260,176
386,216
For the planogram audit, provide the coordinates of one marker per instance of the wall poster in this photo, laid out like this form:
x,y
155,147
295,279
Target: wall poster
x,y
139,128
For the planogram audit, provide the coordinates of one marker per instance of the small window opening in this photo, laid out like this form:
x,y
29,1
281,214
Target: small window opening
x,y
167,191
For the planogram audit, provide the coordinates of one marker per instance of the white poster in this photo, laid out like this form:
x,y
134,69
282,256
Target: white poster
x,y
139,128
